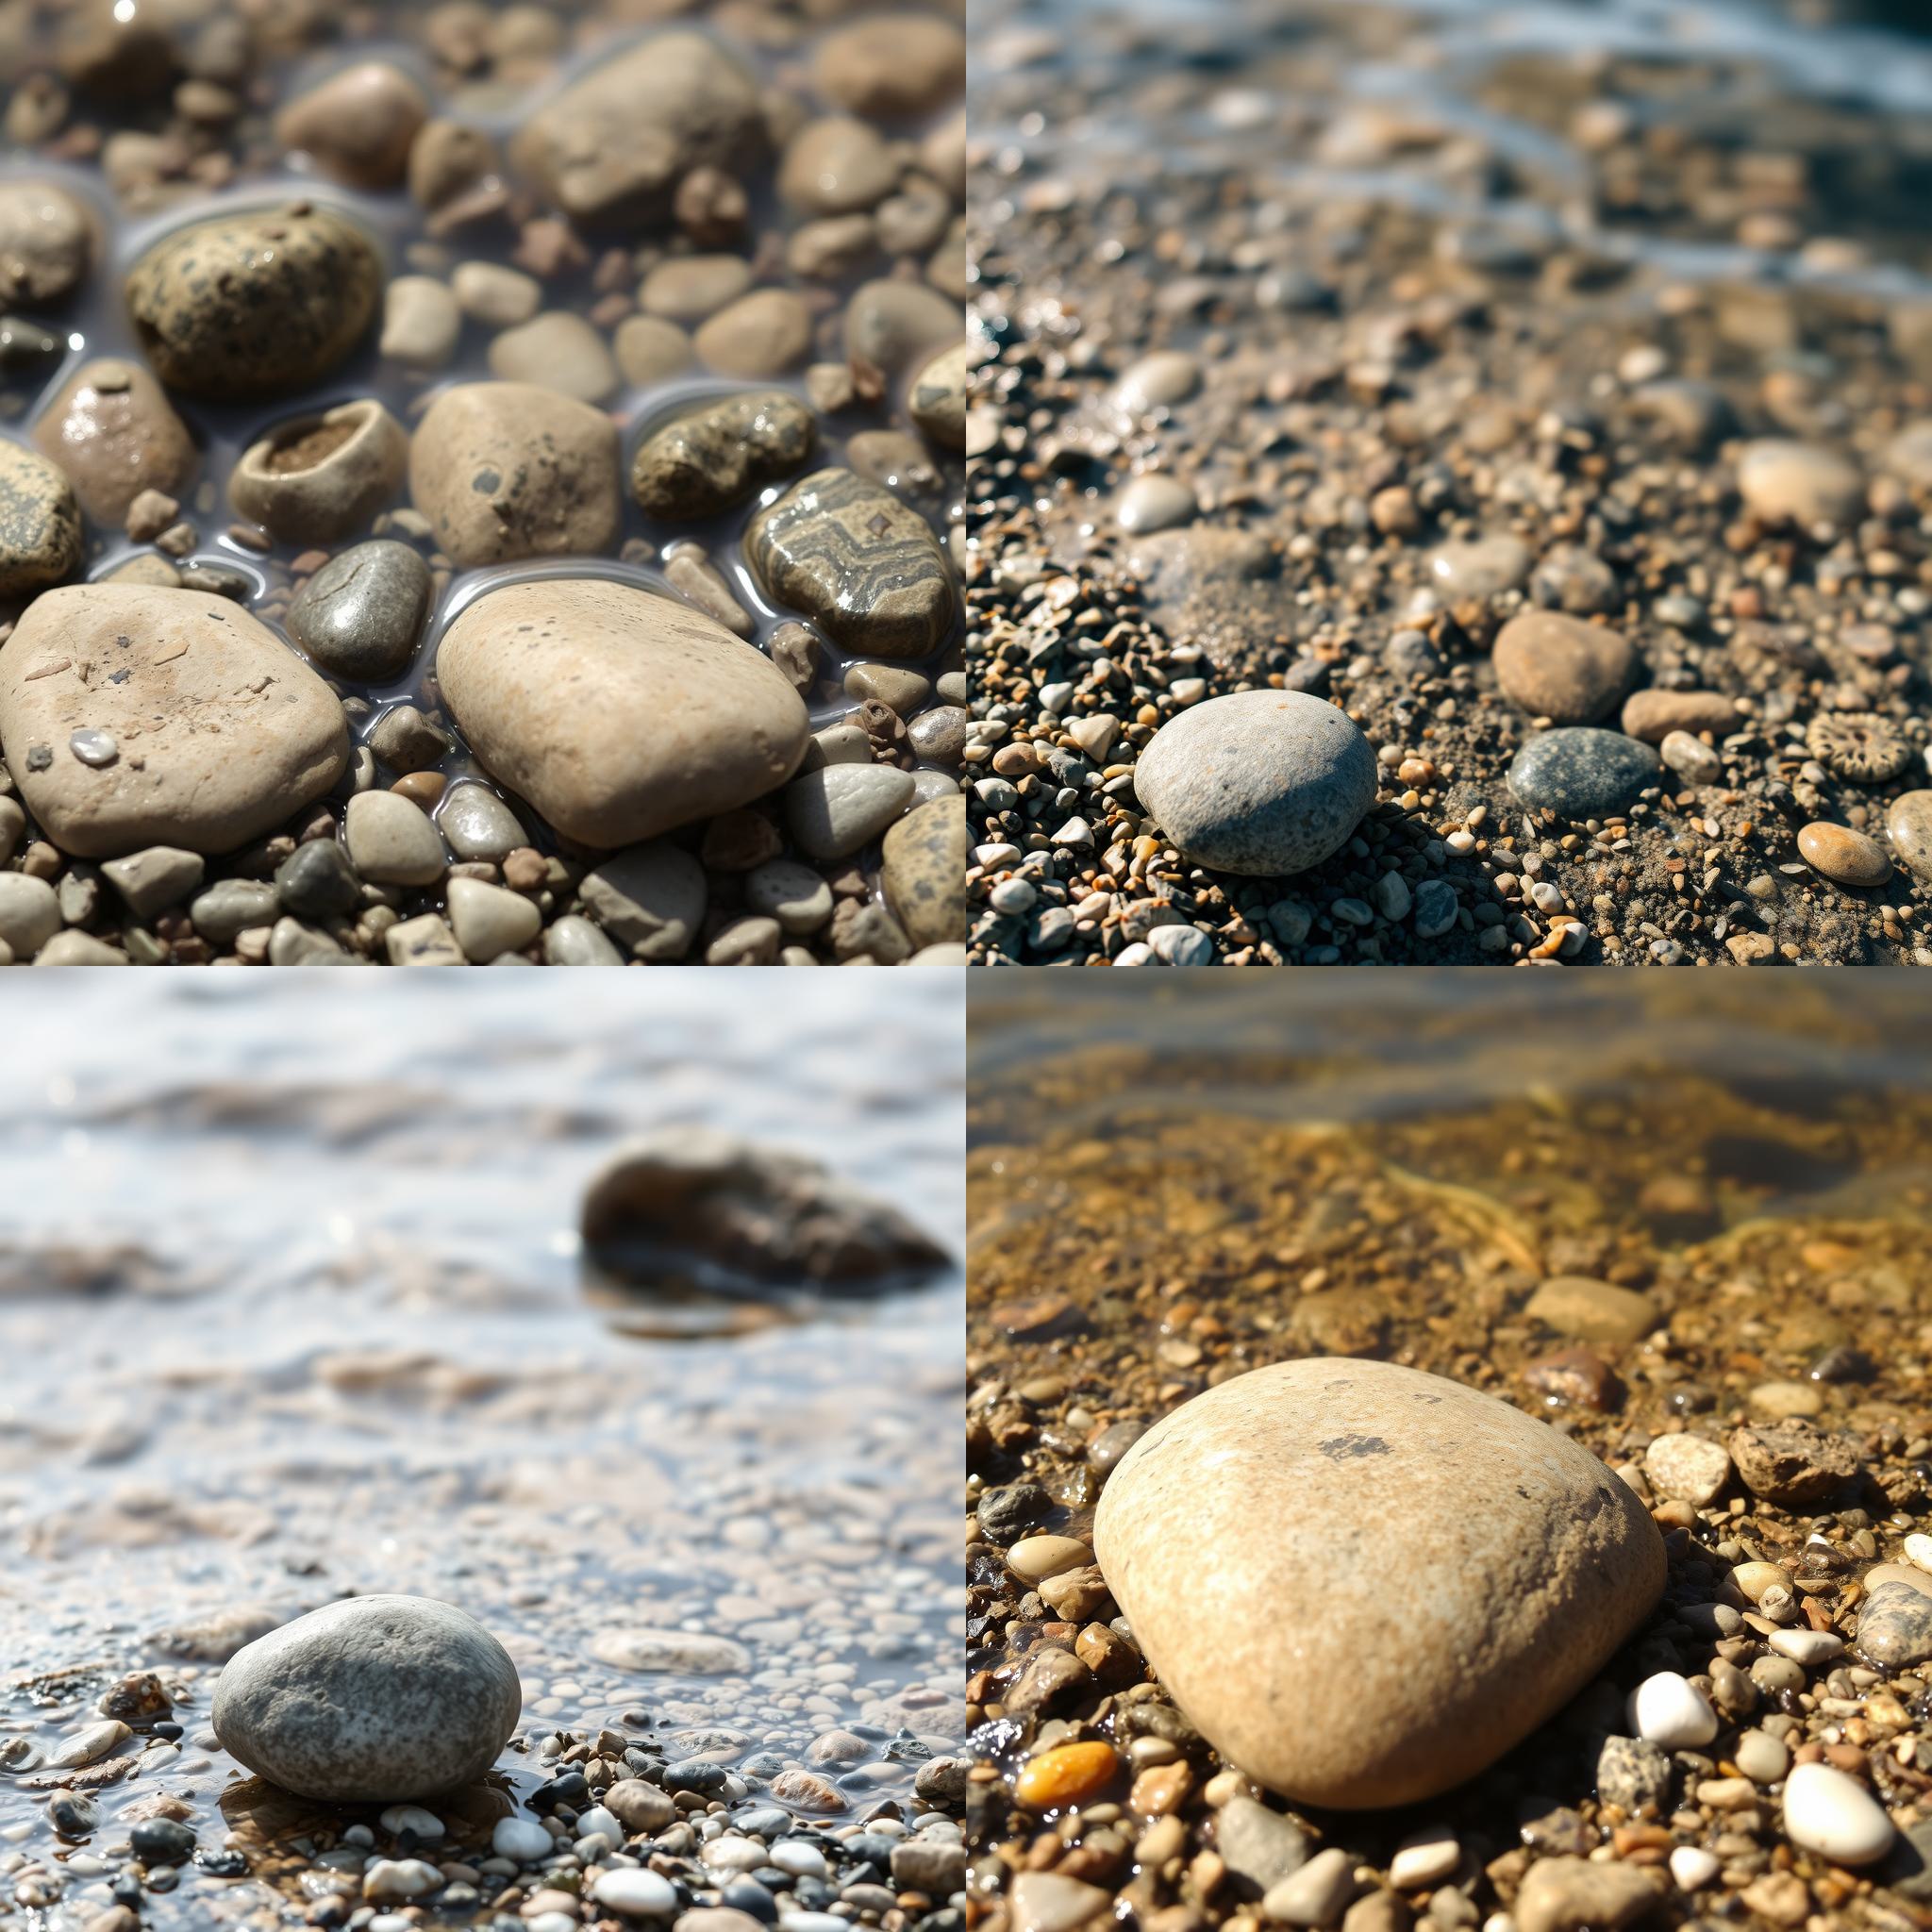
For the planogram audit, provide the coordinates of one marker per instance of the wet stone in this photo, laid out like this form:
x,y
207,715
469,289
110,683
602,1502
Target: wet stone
x,y
722,455
857,560
1582,772
924,871
359,124
113,431
360,615
321,478
1909,825
255,303
1843,855
40,523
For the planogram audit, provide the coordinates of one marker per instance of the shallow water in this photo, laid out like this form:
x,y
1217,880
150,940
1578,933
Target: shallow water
x,y
292,1307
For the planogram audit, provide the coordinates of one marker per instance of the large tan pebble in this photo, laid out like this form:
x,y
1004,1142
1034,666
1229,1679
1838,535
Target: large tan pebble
x,y
111,428
1560,668
507,470
762,334
324,476
924,871
1799,483
896,65
618,713
255,303
837,167
1281,1549
201,728
359,124
557,350
611,148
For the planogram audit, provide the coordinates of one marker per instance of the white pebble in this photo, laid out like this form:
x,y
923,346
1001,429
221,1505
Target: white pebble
x,y
733,1854
799,1857
522,1838
598,1820
1692,1867
393,1878
401,1818
813,1921
1919,1551
637,1894
1835,1816
1427,1859
1807,1646
1669,1710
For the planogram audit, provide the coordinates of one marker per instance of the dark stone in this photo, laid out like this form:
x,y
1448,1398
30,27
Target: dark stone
x,y
161,1842
1006,1515
721,455
693,1775
316,882
359,615
1582,771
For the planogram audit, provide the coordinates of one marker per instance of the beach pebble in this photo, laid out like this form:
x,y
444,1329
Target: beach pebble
x,y
837,166
1335,1669
29,913
1691,1468
1480,567
938,397
358,125
1568,1895
421,323
1844,857
361,614
649,897
113,430
1051,1902
476,824
1798,482
370,1699
255,303
506,470
1154,502
1834,1815
1260,782
1424,1859
46,241
490,920
1693,1868
558,351
1560,668
893,67
924,871
721,453
1582,772
839,808
392,840
1586,1309
1909,826
521,1838
1158,381
1668,1710
201,676
1692,760
40,523
636,1894
1315,1896
1792,1463
1653,715
650,350
764,334
1895,1625
150,881
897,326
610,149
618,713
321,478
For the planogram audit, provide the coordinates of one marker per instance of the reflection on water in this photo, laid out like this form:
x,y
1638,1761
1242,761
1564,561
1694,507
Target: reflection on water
x,y
290,1307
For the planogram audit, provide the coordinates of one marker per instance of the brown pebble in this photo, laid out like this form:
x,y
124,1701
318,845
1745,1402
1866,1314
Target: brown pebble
x,y
1843,855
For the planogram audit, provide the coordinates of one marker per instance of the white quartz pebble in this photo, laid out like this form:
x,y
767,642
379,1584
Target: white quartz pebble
x,y
1807,1646
1692,1867
636,1894
1669,1710
522,1838
1835,1816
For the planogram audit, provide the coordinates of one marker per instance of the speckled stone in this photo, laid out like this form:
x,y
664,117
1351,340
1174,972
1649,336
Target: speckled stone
x,y
1909,825
1582,772
853,557
1260,782
924,871
255,303
372,1699
361,614
1844,857
721,453
1560,668
40,523
1280,1547
937,400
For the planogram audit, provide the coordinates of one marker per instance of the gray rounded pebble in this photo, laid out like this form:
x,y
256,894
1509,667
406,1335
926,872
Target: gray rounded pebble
x,y
1582,771
359,615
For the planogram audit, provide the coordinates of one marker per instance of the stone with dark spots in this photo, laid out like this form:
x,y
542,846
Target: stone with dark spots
x,y
721,455
857,560
257,303
1008,1513
1792,1463
1583,773
361,614
1895,1625
373,1700
924,871
1635,1775
39,524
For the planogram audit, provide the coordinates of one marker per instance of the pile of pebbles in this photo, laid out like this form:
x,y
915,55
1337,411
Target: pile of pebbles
x,y
486,494
1713,1290
1557,422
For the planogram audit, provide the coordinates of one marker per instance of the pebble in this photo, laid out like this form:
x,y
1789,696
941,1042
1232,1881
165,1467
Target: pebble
x,y
1481,568
521,1838
892,68
650,350
1155,502
1895,1625
1668,1710
939,394
856,559
1258,1844
1653,715
202,676
1065,1775
1423,1860
1262,783
1692,1468
1693,1868
1324,1682
1799,483
611,148
255,303
924,871
392,842
490,920
40,523
764,334
618,713
1582,772
557,350
46,243
1158,381
636,1894
1560,668
29,913
837,166
421,323
1844,857
113,430
371,1699
507,470
1834,1815
650,898
1051,1902
150,881
1316,1894
322,477
361,614
1567,1894
896,327
835,811
498,296
1909,826
1792,1463
358,125
722,455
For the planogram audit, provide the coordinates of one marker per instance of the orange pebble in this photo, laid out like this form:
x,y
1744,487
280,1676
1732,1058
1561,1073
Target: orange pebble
x,y
1067,1775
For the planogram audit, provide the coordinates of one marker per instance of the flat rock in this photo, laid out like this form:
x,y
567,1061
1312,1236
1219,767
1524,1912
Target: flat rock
x,y
687,1652
693,1208
361,614
1586,1309
1560,668
854,557
1568,1895
1653,715
1479,567
1844,857
618,713
508,469
650,898
255,303
1280,1548
721,453
218,731
1583,773
610,149
372,1699
1260,782
924,871
40,523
